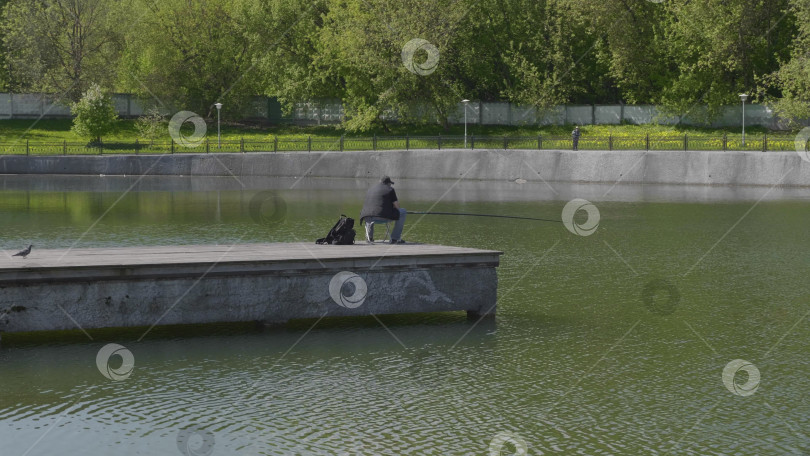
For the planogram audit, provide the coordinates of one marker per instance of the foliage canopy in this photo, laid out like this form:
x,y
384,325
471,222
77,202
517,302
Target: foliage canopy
x,y
685,55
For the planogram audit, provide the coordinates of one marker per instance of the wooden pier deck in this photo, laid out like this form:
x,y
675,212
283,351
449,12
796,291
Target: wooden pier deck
x,y
142,286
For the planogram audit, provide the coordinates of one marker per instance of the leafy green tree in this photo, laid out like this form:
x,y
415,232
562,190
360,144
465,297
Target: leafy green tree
x,y
535,48
792,80
95,114
627,51
6,82
288,64
62,45
189,54
720,48
367,48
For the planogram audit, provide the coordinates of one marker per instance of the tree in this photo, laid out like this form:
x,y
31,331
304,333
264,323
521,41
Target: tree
x,y
535,47
62,45
792,80
627,50
5,78
289,65
366,47
719,48
188,54
95,114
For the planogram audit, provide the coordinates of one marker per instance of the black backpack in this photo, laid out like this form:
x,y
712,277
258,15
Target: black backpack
x,y
340,234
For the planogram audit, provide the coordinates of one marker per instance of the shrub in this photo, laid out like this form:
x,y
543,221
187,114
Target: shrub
x,y
151,125
95,114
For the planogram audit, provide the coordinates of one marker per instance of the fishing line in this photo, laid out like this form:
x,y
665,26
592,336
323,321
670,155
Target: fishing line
x,y
484,215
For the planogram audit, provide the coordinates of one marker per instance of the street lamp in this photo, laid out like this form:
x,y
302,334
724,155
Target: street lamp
x,y
465,101
743,97
219,107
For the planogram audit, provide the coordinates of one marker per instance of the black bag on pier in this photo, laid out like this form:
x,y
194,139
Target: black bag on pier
x,y
340,234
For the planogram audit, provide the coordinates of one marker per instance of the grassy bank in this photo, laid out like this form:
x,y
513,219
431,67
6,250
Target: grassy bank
x,y
54,136
59,130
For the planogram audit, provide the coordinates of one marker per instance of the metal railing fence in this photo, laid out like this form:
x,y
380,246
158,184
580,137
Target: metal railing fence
x,y
762,143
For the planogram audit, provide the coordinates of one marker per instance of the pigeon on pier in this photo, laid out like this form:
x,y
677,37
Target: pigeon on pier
x,y
24,253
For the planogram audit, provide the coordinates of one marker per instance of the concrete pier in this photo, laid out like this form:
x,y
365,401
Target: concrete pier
x,y
271,283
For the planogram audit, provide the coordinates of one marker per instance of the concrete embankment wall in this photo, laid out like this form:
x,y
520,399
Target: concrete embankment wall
x,y
653,167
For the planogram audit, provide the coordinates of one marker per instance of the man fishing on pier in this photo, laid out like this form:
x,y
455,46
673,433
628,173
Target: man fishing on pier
x,y
382,206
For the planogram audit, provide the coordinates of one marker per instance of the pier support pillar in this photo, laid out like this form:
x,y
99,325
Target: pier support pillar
x,y
475,315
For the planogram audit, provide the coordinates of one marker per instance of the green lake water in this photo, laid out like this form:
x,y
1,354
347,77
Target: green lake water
x,y
613,343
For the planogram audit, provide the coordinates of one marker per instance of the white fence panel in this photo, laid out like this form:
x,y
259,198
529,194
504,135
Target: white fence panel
x,y
120,101
761,115
27,104
331,112
473,114
524,115
30,105
5,105
494,113
318,112
308,112
553,116
579,115
755,115
608,115
640,114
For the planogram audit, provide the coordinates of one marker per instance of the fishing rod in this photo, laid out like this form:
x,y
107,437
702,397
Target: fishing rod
x,y
483,215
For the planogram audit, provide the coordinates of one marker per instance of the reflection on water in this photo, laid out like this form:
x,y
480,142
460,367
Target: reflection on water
x,y
614,343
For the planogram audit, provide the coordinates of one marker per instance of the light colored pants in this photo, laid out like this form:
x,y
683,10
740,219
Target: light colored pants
x,y
398,225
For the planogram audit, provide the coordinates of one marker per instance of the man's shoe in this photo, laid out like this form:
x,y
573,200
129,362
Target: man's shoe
x,y
398,241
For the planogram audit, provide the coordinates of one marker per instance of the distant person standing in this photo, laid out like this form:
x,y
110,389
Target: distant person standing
x,y
382,206
575,137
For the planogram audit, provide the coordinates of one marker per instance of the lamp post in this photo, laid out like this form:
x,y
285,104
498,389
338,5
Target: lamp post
x,y
219,142
743,97
465,101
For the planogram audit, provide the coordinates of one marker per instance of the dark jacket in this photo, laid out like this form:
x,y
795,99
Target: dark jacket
x,y
380,202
